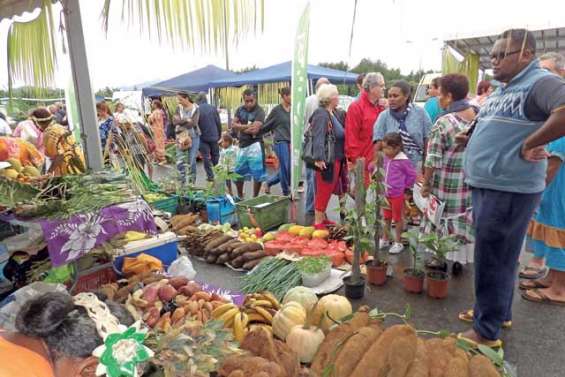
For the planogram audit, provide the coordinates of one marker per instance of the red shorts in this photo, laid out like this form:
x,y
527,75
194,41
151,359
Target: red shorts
x,y
397,209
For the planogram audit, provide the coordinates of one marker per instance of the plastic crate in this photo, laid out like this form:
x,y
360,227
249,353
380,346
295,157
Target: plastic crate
x,y
163,247
265,212
93,278
169,204
221,210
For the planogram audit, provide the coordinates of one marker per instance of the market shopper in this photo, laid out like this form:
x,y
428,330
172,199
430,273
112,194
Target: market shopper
x,y
330,175
246,127
359,84
443,168
187,135
432,106
105,122
30,131
412,122
361,117
228,157
211,129
278,122
55,338
119,108
157,122
553,62
312,103
400,175
484,90
546,232
5,129
505,165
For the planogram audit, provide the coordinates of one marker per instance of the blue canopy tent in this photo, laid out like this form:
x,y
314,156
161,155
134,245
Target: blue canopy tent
x,y
195,81
282,72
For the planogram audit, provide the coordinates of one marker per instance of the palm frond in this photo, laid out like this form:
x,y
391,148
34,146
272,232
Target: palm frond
x,y
31,51
192,24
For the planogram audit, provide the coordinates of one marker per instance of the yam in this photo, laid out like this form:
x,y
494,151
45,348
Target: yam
x,y
354,349
216,242
252,255
223,258
250,246
286,358
401,355
440,352
419,367
237,262
481,366
375,360
251,264
228,245
184,222
337,335
211,258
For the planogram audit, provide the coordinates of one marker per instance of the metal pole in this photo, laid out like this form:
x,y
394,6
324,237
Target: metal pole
x,y
82,85
227,51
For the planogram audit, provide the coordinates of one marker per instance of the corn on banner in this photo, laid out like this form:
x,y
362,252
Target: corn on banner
x,y
299,90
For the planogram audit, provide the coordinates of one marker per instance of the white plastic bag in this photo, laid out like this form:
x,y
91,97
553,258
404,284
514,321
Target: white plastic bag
x,y
182,266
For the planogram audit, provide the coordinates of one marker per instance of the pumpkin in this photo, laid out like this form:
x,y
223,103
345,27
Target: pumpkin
x,y
330,308
302,295
290,315
305,341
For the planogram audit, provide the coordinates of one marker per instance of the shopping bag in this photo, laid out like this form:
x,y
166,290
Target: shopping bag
x,y
431,206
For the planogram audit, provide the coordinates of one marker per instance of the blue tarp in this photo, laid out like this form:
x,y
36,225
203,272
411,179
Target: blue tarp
x,y
282,72
195,81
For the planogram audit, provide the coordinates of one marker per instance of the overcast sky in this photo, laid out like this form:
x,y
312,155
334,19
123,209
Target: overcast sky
x,y
407,34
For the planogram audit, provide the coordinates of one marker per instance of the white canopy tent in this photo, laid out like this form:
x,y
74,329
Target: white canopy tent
x,y
79,68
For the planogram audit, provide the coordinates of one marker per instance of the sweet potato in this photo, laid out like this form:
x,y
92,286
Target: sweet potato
x,y
190,288
178,281
151,317
167,292
150,293
480,366
354,349
334,338
401,354
375,360
419,367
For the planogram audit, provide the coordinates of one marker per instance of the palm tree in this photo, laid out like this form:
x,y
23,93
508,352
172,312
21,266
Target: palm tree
x,y
200,25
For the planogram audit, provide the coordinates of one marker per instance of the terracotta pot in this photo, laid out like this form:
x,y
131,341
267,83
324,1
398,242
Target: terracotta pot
x,y
413,283
437,284
376,274
354,290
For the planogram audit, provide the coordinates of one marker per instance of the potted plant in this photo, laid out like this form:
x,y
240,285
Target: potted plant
x,y
440,246
314,270
377,268
355,283
414,277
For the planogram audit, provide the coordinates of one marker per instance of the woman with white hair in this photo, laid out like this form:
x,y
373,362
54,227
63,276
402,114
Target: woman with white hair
x,y
361,116
326,122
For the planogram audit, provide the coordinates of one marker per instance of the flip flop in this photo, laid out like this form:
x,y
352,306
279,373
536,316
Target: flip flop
x,y
467,316
489,343
541,297
539,272
531,284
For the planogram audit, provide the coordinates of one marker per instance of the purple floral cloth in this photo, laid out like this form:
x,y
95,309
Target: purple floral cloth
x,y
71,238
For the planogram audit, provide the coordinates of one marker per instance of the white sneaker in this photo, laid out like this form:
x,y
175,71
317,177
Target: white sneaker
x,y
396,248
384,243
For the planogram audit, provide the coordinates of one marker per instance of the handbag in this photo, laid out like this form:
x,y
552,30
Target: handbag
x,y
308,147
184,141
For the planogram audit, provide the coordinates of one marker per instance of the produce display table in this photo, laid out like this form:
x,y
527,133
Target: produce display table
x,y
69,239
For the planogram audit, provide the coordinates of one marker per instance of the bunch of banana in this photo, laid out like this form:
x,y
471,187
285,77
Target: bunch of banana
x,y
257,310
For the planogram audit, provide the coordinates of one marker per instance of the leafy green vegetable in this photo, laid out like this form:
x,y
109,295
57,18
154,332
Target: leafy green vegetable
x,y
313,265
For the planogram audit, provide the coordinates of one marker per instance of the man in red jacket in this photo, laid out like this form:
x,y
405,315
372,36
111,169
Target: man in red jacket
x,y
361,117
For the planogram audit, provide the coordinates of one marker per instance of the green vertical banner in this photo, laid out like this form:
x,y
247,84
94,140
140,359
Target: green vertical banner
x,y
299,90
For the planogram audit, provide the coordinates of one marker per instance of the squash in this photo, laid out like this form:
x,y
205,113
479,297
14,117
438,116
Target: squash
x,y
335,306
290,315
295,230
305,341
302,295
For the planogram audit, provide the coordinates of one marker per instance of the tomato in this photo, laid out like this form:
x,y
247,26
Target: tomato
x,y
342,245
273,247
318,244
338,258
284,237
310,252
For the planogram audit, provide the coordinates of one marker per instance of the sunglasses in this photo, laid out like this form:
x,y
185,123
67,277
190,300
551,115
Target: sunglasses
x,y
498,56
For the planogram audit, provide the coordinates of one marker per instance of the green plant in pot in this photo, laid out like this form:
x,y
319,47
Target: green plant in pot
x,y
439,245
377,268
414,276
314,270
221,175
355,283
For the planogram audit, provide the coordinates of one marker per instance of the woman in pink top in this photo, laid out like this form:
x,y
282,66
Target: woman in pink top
x,y
400,175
